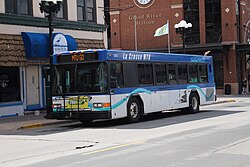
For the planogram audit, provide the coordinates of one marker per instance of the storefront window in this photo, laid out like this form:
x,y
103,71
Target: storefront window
x,y
9,84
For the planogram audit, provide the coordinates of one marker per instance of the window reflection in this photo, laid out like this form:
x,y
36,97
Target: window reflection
x,y
64,79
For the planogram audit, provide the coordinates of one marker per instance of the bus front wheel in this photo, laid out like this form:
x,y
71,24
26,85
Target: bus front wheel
x,y
134,110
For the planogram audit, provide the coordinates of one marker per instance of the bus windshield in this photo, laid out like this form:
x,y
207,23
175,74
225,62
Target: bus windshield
x,y
80,78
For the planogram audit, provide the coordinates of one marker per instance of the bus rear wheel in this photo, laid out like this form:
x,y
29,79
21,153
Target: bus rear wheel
x,y
134,110
194,105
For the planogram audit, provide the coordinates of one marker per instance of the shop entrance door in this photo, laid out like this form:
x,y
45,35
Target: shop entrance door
x,y
33,88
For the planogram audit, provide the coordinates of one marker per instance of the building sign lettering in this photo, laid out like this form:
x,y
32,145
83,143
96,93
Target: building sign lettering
x,y
60,44
146,19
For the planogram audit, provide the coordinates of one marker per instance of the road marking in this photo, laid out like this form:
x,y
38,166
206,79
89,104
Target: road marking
x,y
114,147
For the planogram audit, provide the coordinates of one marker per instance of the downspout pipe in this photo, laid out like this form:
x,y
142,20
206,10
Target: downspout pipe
x,y
238,18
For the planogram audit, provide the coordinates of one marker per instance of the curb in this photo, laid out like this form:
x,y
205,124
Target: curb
x,y
220,102
39,125
224,101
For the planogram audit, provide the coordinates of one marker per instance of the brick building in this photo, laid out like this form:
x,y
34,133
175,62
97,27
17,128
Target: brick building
x,y
220,28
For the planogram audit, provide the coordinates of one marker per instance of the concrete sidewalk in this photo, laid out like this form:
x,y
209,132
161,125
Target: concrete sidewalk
x,y
232,98
34,120
28,121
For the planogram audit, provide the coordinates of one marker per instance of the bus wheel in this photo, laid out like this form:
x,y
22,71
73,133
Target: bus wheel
x,y
134,110
194,105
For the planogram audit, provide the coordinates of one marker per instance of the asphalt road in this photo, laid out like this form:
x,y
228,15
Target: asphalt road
x,y
218,136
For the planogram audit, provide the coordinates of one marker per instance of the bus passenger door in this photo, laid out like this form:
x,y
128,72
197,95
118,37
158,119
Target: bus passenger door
x,y
118,104
118,95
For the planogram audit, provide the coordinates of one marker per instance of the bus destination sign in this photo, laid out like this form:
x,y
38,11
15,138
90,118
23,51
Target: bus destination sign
x,y
77,57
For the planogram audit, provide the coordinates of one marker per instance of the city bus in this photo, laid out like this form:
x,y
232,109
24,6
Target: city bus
x,y
111,84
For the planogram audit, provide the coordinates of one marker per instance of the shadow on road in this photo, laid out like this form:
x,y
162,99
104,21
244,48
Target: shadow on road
x,y
162,119
150,121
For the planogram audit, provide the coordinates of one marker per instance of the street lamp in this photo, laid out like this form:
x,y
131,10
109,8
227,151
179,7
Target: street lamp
x,y
183,28
50,7
247,33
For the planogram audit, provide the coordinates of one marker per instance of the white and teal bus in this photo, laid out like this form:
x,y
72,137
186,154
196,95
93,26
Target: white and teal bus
x,y
112,84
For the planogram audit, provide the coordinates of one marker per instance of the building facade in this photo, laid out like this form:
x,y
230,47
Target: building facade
x,y
220,28
24,47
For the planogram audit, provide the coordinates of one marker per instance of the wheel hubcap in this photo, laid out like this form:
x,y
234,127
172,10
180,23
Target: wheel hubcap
x,y
134,110
194,103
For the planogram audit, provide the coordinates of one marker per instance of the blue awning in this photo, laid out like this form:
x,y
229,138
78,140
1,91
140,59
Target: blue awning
x,y
37,44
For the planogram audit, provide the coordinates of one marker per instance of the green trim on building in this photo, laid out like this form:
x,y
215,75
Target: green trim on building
x,y
43,22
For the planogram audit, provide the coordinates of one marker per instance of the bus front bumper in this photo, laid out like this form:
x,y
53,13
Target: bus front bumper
x,y
85,115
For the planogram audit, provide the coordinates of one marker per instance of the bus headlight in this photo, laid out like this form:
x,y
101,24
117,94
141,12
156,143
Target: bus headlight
x,y
56,106
101,105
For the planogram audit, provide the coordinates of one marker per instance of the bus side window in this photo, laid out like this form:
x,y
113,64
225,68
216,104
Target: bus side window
x,y
116,76
145,74
182,74
203,73
193,73
130,74
160,74
172,74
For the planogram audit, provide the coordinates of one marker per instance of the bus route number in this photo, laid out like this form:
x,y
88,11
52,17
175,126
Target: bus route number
x,y
78,57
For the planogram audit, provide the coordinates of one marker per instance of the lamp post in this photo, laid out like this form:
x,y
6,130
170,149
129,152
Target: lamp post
x,y
183,28
50,7
247,33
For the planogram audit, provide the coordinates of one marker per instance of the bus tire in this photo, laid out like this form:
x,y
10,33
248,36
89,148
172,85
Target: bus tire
x,y
134,110
194,104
